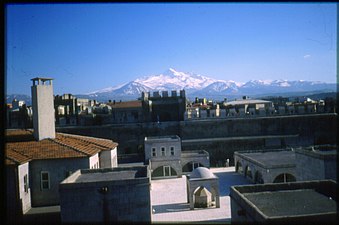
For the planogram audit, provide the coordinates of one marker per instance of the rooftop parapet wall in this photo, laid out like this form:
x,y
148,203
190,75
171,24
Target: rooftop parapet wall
x,y
325,187
257,203
163,94
118,175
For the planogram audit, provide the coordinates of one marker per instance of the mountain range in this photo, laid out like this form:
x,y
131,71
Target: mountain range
x,y
197,85
200,86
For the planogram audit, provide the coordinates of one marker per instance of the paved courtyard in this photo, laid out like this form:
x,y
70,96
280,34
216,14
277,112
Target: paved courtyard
x,y
169,199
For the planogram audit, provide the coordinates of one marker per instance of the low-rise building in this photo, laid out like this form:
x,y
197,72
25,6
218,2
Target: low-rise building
x,y
165,159
127,112
272,166
38,160
316,162
106,196
307,202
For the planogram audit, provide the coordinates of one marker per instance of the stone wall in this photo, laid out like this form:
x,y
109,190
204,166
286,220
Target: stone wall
x,y
123,201
58,170
309,129
315,166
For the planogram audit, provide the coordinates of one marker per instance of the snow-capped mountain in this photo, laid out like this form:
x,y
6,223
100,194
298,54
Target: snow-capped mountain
x,y
220,87
130,89
255,87
202,86
172,79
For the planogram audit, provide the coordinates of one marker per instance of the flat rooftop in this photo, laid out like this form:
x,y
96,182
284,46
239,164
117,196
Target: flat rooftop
x,y
98,176
322,152
110,174
296,201
270,159
292,202
163,138
194,153
169,199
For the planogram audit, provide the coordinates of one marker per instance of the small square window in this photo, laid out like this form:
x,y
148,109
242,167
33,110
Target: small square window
x,y
172,150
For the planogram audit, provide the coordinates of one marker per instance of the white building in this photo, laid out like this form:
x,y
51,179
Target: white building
x,y
38,160
165,158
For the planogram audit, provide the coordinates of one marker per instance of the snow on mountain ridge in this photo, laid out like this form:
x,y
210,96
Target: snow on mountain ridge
x,y
178,79
199,85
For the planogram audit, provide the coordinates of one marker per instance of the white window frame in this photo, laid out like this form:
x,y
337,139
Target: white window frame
x,y
163,151
169,171
42,182
154,152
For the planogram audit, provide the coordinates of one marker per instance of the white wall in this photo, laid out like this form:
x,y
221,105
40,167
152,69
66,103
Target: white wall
x,y
108,159
94,161
24,196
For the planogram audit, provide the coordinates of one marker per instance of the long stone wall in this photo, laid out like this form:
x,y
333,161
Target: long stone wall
x,y
235,134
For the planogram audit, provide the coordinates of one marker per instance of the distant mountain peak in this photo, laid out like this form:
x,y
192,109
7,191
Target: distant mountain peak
x,y
195,84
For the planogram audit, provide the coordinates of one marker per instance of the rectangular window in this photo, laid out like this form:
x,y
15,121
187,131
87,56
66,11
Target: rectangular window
x,y
163,151
45,182
26,183
172,150
154,153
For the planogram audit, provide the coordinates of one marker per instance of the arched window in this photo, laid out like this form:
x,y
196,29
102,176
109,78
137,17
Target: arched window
x,y
238,167
248,172
258,178
189,167
164,171
284,177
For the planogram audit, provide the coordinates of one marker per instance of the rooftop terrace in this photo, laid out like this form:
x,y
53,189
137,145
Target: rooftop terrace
x,y
270,159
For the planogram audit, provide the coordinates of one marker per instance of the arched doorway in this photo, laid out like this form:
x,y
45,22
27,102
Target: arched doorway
x,y
238,167
258,179
202,197
284,177
189,167
164,171
248,172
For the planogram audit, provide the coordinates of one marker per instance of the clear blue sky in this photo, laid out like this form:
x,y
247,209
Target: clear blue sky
x,y
86,47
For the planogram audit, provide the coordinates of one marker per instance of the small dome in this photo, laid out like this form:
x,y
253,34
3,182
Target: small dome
x,y
202,172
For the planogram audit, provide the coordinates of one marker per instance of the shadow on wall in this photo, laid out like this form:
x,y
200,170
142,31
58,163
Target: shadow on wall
x,y
176,207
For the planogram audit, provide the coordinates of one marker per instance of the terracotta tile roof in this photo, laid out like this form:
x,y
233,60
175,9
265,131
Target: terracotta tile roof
x,y
129,104
14,158
23,143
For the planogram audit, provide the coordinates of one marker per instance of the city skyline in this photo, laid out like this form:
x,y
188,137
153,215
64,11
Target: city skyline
x,y
87,47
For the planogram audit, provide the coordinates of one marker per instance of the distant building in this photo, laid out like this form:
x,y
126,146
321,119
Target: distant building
x,y
165,108
308,202
19,117
106,196
128,112
165,158
248,106
67,108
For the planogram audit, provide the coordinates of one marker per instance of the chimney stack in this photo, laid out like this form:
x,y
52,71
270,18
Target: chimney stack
x,y
43,108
